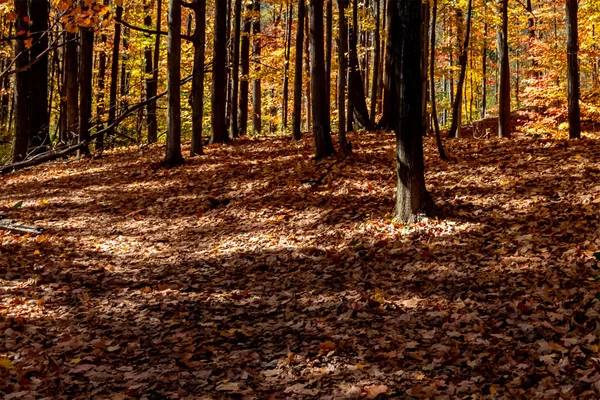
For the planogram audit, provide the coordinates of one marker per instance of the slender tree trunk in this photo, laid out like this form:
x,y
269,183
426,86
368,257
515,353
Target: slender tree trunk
x,y
434,114
173,155
328,44
462,62
149,59
39,120
22,81
125,74
376,61
219,84
425,12
114,73
256,85
235,71
297,114
389,114
101,88
573,68
153,89
320,104
86,71
198,80
504,129
307,62
356,88
412,201
484,72
345,148
286,68
245,65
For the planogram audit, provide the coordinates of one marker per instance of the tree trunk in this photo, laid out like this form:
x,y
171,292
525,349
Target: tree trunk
x,y
425,13
356,88
389,118
328,44
484,72
345,148
152,117
256,85
149,58
434,115
245,65
297,114
573,68
504,129
22,81
462,61
376,61
286,69
198,80
173,155
219,84
320,103
125,74
235,72
86,71
114,72
101,88
39,120
412,199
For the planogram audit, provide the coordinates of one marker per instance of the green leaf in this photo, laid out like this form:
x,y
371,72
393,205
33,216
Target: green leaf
x,y
18,205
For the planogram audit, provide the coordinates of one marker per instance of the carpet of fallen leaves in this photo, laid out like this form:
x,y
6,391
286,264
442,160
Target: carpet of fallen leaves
x,y
255,272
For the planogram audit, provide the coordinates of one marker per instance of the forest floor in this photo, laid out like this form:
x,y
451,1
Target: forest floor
x,y
255,272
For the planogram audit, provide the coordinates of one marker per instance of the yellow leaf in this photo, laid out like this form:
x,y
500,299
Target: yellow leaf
x,y
6,363
493,390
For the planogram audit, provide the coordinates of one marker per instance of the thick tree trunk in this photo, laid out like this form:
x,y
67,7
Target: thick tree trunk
x,y
173,155
412,199
297,114
389,115
22,81
198,80
345,148
39,120
256,84
425,16
434,115
86,71
235,71
462,62
504,129
245,65
320,104
573,68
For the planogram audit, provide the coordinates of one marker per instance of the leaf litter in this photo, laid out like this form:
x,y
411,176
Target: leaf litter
x,y
255,272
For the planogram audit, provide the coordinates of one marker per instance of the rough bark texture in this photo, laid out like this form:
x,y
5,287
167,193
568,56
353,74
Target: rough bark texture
x,y
412,198
328,44
198,80
504,129
114,72
219,78
173,155
149,60
71,89
356,88
245,65
297,114
21,138
389,117
320,104
376,61
286,69
573,70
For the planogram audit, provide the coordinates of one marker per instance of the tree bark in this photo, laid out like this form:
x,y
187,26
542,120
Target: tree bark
x,y
149,69
86,71
114,72
21,95
462,62
173,155
356,88
412,199
345,148
256,85
320,104
504,129
297,114
235,71
573,68
219,78
198,80
286,69
245,66
328,44
39,125
376,61
434,115
389,118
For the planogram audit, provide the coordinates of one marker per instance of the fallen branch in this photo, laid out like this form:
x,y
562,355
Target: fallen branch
x,y
21,229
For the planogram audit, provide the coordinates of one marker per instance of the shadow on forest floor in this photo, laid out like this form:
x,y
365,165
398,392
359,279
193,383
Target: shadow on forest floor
x,y
300,286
